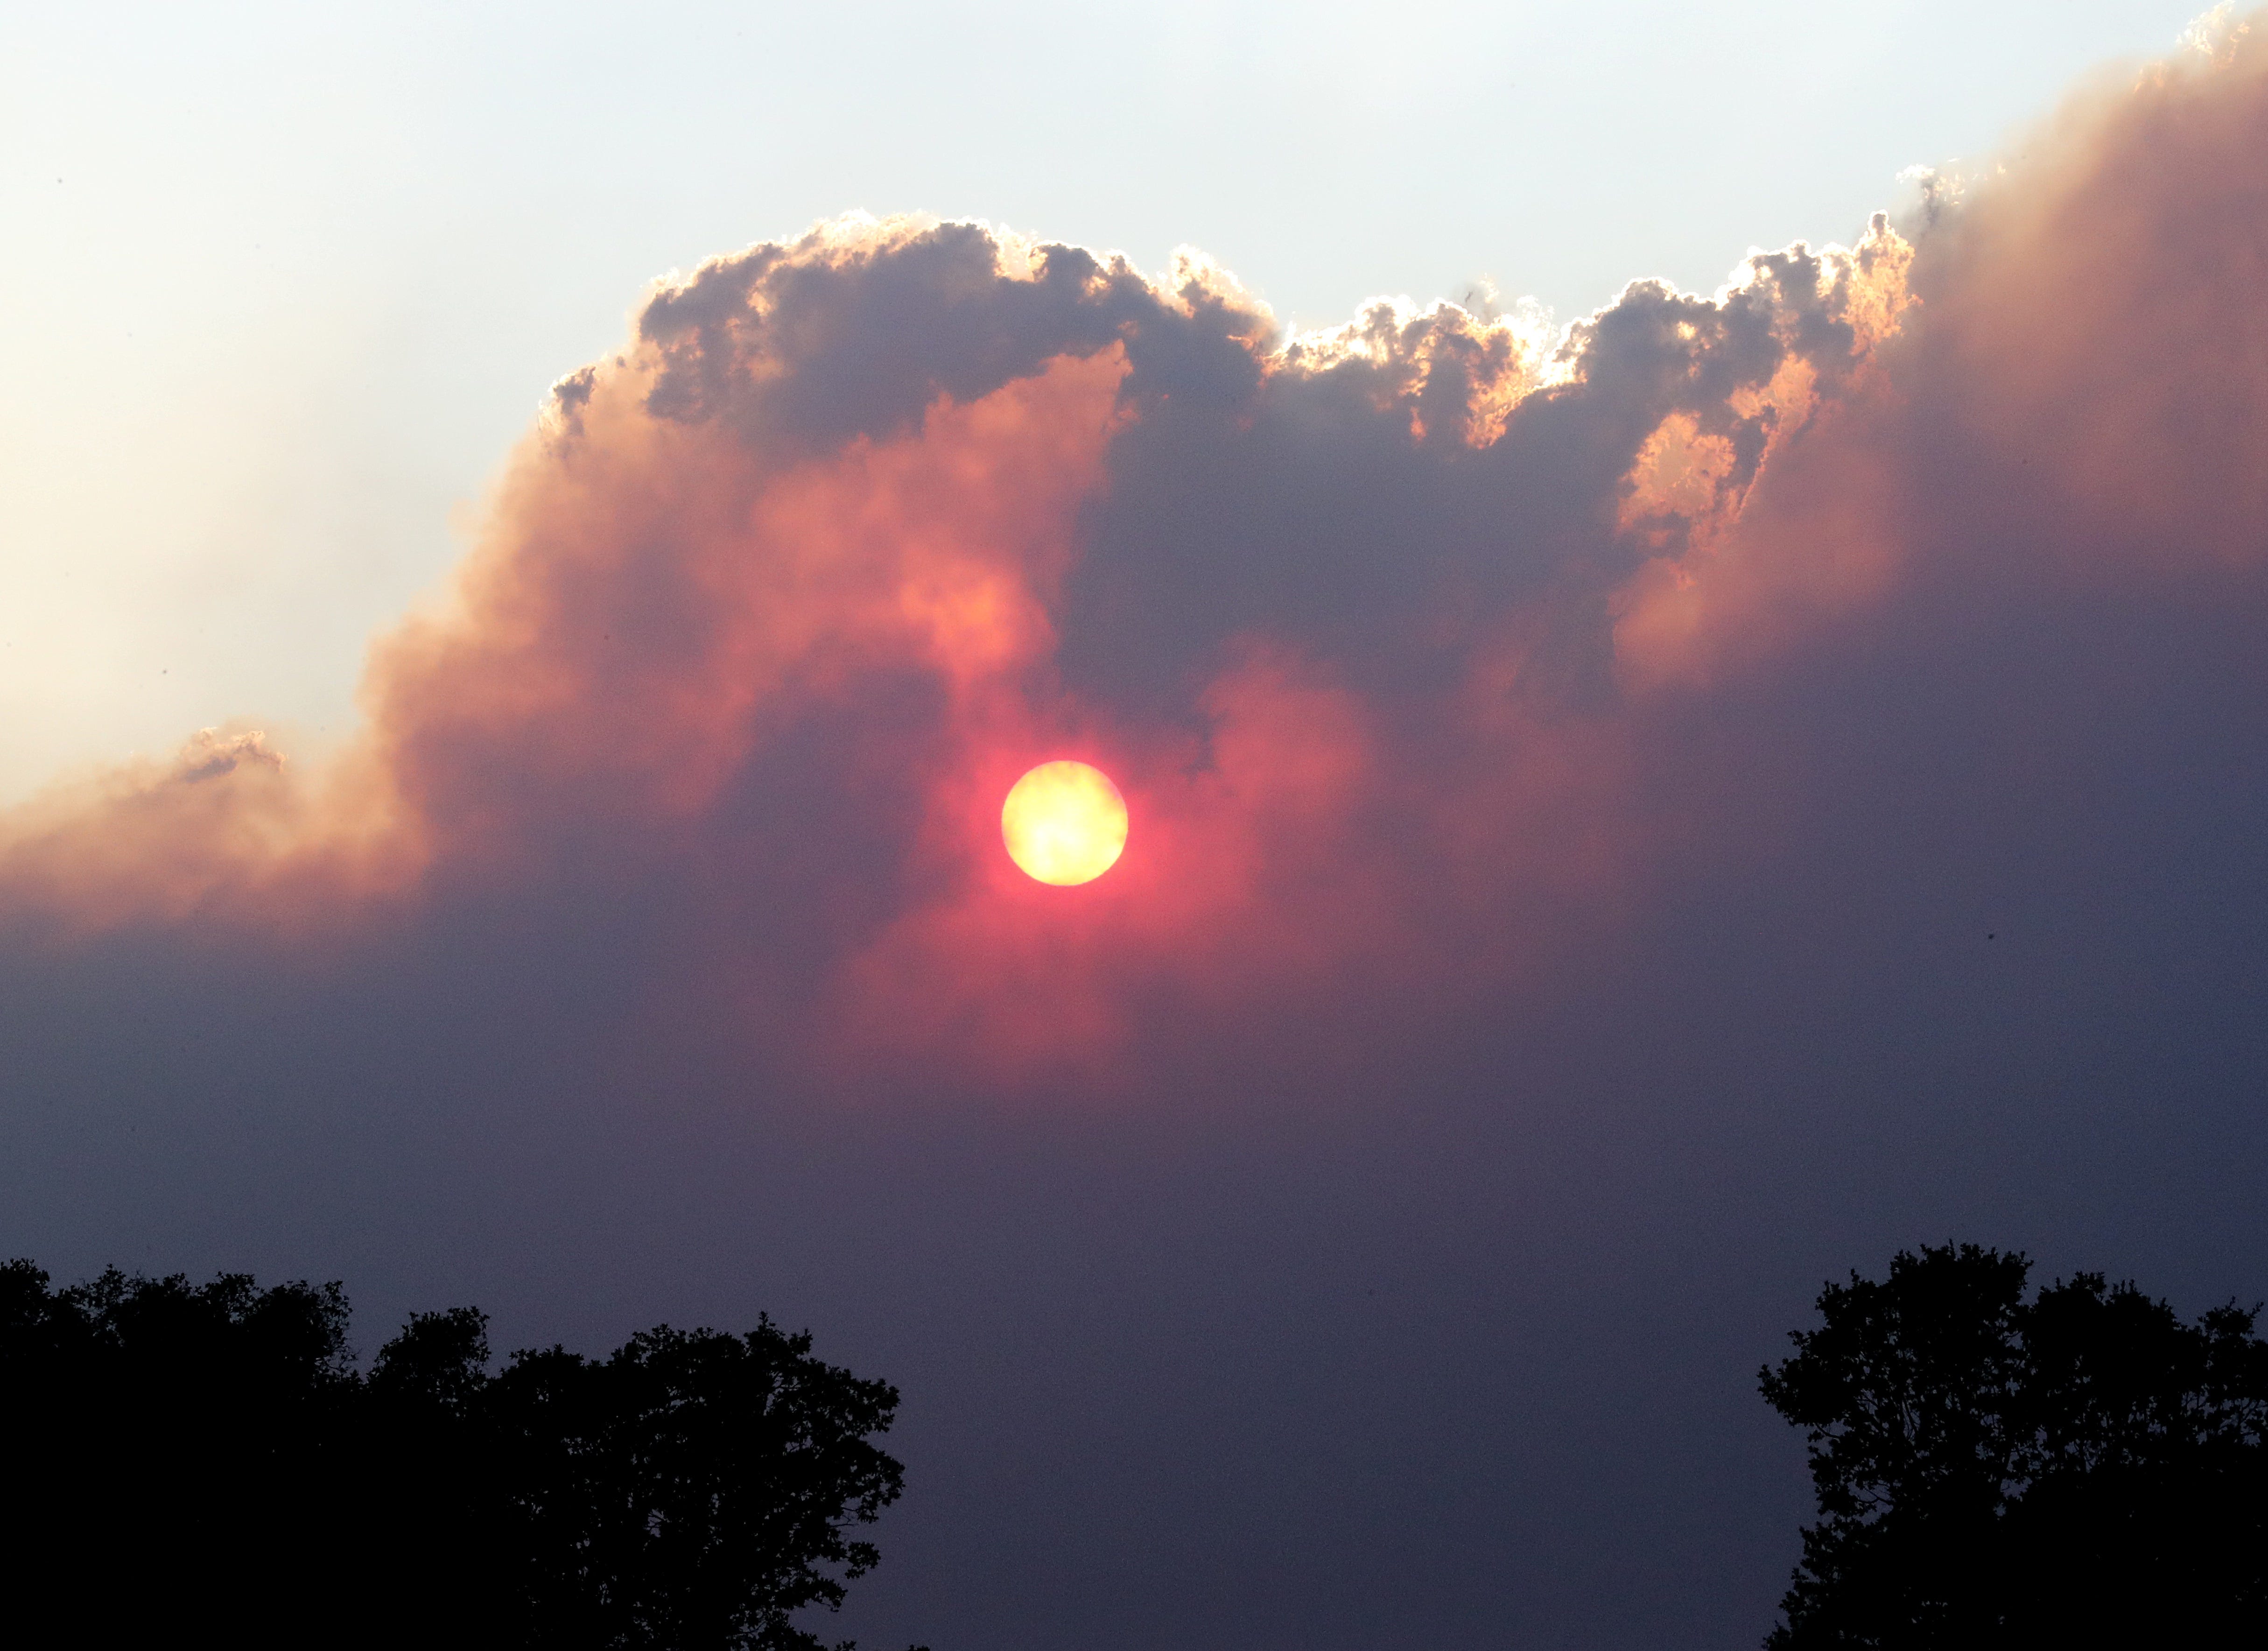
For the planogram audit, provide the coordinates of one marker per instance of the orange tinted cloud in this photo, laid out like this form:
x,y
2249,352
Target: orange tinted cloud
x,y
1391,636
2078,389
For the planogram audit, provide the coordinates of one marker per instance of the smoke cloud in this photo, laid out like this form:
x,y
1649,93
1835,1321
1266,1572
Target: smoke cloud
x,y
776,602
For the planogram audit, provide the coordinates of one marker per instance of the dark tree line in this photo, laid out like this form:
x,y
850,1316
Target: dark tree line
x,y
2081,1468
185,1461
2076,1466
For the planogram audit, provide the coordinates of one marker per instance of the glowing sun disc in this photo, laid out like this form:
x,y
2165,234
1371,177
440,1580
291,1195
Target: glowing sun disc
x,y
1064,823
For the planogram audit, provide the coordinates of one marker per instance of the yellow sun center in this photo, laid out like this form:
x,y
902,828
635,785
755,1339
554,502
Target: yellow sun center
x,y
1064,822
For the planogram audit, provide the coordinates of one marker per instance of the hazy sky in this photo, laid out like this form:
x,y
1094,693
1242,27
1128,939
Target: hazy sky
x,y
279,285
1625,824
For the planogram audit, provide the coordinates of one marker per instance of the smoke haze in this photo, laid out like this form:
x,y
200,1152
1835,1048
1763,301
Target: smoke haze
x,y
1627,822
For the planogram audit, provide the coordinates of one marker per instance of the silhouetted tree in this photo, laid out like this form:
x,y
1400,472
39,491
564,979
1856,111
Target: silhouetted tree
x,y
694,1489
433,1501
182,1457
173,1448
2082,1468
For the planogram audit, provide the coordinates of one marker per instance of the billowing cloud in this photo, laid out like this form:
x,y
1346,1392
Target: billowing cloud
x,y
779,601
1649,700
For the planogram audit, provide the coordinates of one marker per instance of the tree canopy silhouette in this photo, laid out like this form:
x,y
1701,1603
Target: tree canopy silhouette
x,y
183,1454
2082,1467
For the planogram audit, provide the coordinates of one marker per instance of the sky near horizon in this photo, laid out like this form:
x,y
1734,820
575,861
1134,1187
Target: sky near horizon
x,y
1623,821
283,283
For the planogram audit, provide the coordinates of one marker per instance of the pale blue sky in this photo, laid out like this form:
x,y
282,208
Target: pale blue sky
x,y
279,285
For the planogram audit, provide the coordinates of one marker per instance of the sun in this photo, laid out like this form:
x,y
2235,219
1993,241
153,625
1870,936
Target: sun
x,y
1064,823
